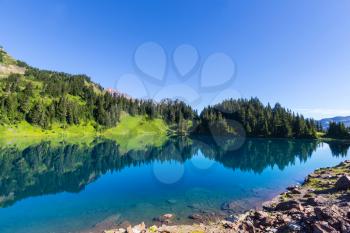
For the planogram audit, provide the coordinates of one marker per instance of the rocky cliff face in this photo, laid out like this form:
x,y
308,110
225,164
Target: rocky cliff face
x,y
8,65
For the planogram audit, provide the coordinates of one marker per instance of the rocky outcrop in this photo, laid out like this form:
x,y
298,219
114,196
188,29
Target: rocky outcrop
x,y
343,183
11,69
321,204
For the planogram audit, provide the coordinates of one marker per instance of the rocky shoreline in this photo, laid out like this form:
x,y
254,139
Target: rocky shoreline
x,y
321,204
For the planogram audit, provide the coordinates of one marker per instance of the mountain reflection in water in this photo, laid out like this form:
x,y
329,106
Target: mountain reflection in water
x,y
47,169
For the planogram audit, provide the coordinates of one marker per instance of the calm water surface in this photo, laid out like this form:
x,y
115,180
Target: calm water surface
x,y
69,188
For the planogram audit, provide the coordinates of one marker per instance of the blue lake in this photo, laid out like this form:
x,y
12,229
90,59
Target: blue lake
x,y
70,188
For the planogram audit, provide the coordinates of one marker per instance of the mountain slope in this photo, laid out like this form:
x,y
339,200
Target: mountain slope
x,y
52,100
41,102
339,119
56,101
9,65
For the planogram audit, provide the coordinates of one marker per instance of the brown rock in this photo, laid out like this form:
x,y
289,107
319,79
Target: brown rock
x,y
233,207
108,223
168,216
227,224
296,191
129,229
290,188
262,218
345,226
326,176
320,213
325,213
288,205
196,217
268,205
125,224
139,228
248,227
312,175
309,210
343,183
334,216
286,218
323,227
164,219
316,201
260,215
289,228
308,195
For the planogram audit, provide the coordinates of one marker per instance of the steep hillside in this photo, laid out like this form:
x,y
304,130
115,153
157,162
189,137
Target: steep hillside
x,y
44,97
36,102
52,100
9,65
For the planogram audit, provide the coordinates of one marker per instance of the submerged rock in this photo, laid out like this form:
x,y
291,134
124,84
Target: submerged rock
x,y
196,217
164,219
205,217
171,201
234,207
124,224
168,216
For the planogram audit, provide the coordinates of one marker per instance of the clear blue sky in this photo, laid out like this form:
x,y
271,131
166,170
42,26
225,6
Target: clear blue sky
x,y
295,52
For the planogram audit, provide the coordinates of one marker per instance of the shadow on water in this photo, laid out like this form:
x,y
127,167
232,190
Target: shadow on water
x,y
47,169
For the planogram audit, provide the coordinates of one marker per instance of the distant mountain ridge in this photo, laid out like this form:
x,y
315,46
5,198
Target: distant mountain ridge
x,y
344,119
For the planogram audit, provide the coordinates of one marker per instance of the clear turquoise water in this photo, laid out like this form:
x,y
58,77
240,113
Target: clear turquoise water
x,y
70,188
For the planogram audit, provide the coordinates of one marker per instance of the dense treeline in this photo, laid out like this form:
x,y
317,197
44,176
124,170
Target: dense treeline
x,y
256,119
174,112
43,97
338,131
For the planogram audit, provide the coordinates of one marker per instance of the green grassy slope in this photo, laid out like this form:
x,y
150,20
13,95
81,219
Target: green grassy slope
x,y
132,132
136,132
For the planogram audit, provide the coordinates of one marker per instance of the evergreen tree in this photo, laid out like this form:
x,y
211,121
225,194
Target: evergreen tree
x,y
338,130
259,120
